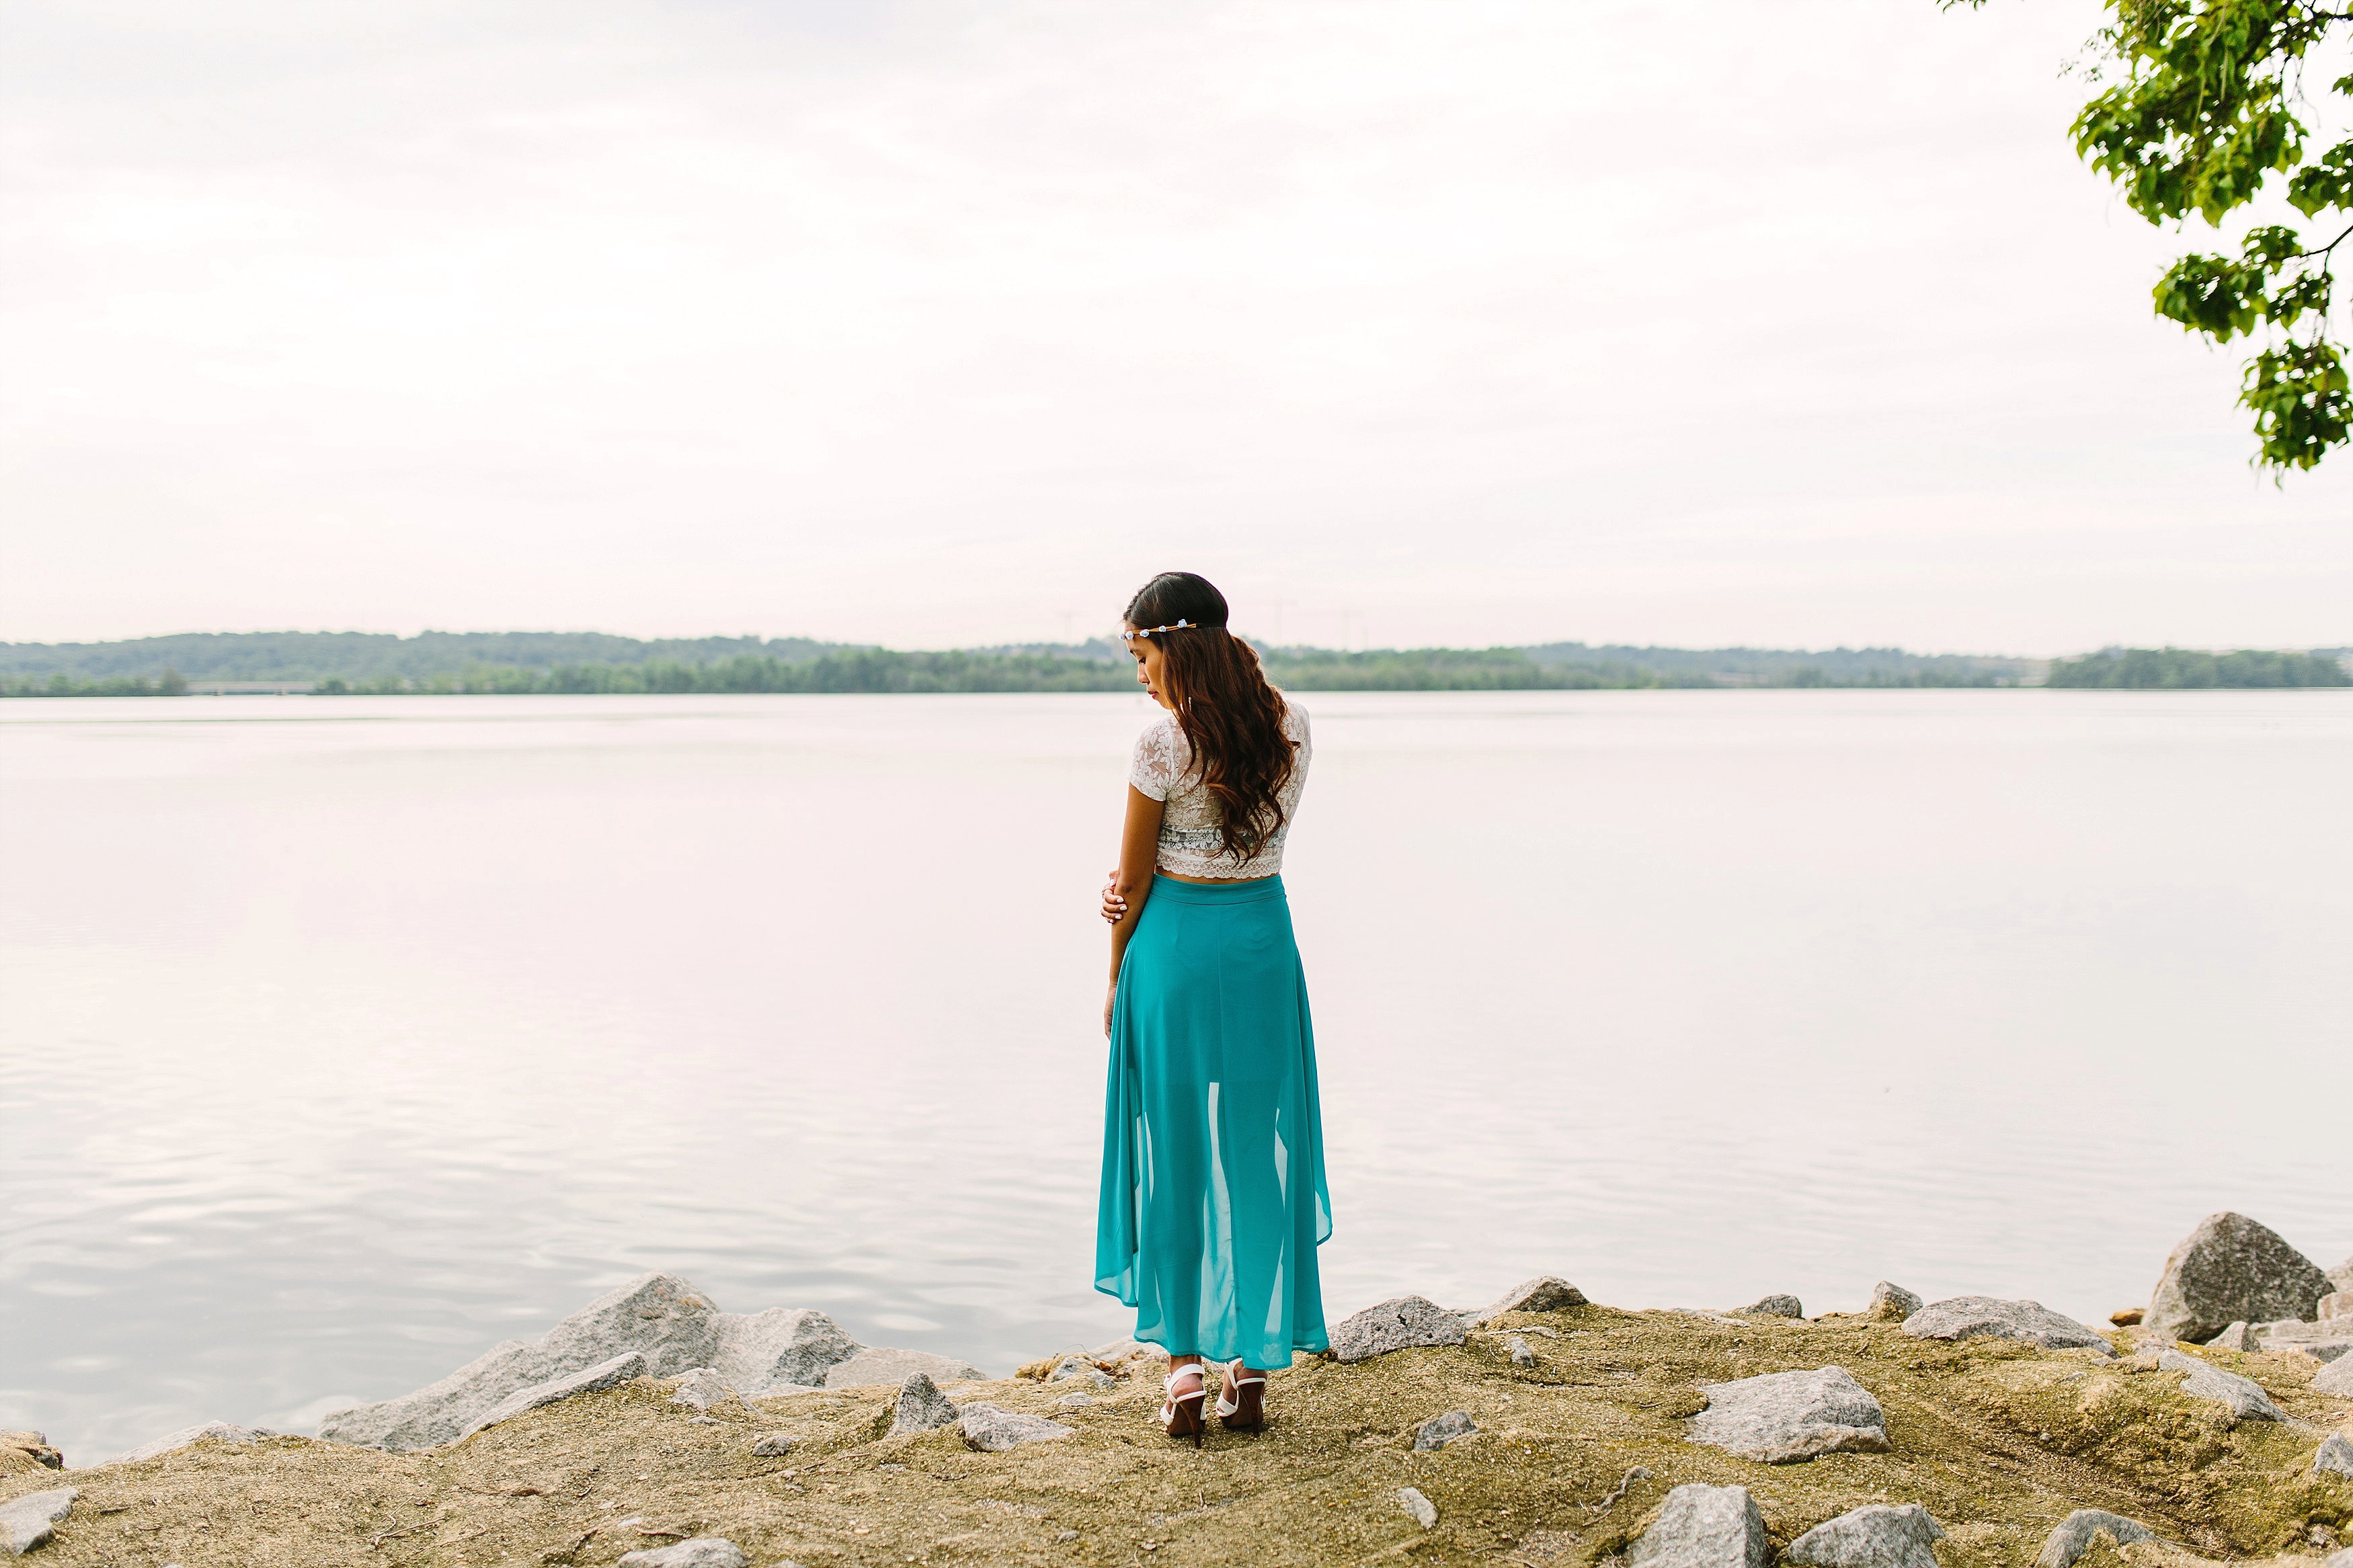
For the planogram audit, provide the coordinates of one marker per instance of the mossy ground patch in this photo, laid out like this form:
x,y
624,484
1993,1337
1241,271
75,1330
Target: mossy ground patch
x,y
1998,1441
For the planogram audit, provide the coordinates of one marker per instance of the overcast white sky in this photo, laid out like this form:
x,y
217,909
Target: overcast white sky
x,y
941,323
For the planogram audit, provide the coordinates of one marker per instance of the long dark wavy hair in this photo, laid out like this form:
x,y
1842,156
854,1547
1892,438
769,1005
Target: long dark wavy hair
x,y
1232,718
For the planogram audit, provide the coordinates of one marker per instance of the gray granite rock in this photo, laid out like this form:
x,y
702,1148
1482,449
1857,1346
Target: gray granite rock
x,y
2335,1378
1424,1511
1703,1527
2338,1559
1785,1416
588,1380
2237,1337
1080,1370
2337,1303
1892,1303
1397,1325
703,1552
2335,1458
1876,1535
1773,1307
921,1407
870,1367
781,1351
2074,1535
701,1389
2231,1269
772,1445
1441,1430
217,1431
2341,1276
31,1521
2321,1341
1964,1317
2242,1397
1544,1293
992,1431
665,1318
1522,1356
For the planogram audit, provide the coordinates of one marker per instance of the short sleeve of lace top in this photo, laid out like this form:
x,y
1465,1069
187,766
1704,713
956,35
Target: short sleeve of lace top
x,y
1159,760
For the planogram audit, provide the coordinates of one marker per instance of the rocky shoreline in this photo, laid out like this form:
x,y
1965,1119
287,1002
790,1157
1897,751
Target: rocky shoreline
x,y
653,1429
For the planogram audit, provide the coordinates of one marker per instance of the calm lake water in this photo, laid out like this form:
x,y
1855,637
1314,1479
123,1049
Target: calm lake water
x,y
342,1038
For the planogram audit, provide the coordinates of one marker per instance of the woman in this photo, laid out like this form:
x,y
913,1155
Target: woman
x,y
1213,1195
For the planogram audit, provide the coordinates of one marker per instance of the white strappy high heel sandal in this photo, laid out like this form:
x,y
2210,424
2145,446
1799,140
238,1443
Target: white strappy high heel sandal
x,y
1246,1411
1180,1414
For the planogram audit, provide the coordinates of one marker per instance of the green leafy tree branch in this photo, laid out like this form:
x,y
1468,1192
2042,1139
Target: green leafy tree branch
x,y
2203,110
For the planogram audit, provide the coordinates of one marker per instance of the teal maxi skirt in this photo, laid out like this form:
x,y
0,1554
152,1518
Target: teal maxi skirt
x,y
1213,1194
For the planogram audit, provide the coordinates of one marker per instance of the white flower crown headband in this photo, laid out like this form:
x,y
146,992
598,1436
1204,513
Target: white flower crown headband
x,y
1181,626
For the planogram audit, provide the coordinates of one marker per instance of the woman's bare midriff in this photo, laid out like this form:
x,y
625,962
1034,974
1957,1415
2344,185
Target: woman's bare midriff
x,y
1214,881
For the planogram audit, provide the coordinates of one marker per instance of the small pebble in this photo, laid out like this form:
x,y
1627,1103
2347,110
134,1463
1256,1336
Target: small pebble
x,y
1424,1511
1073,1401
1521,1354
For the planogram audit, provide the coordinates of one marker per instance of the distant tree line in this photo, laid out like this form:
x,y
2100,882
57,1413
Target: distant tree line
x,y
2183,668
170,683
862,669
521,663
207,657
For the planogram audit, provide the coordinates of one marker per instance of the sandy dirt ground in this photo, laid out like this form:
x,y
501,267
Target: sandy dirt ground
x,y
2000,1441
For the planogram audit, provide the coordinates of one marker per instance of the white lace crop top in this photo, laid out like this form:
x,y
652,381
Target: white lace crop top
x,y
1190,845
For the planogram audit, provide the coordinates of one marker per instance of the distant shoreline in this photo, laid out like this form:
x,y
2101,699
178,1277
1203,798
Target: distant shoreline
x,y
555,663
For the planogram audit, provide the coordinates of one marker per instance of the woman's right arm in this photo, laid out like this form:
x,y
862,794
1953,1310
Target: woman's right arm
x,y
1139,847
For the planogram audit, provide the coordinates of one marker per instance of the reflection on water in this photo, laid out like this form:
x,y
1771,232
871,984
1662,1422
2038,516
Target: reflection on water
x,y
340,1038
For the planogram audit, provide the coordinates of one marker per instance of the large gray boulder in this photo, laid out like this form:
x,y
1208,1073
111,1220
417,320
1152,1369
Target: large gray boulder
x,y
871,1367
674,1326
587,1380
1785,1416
2242,1397
216,1431
2335,1378
31,1521
1544,1293
1964,1317
1876,1535
2231,1269
992,1431
781,1351
2074,1536
703,1552
921,1407
1397,1325
1703,1527
2335,1458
